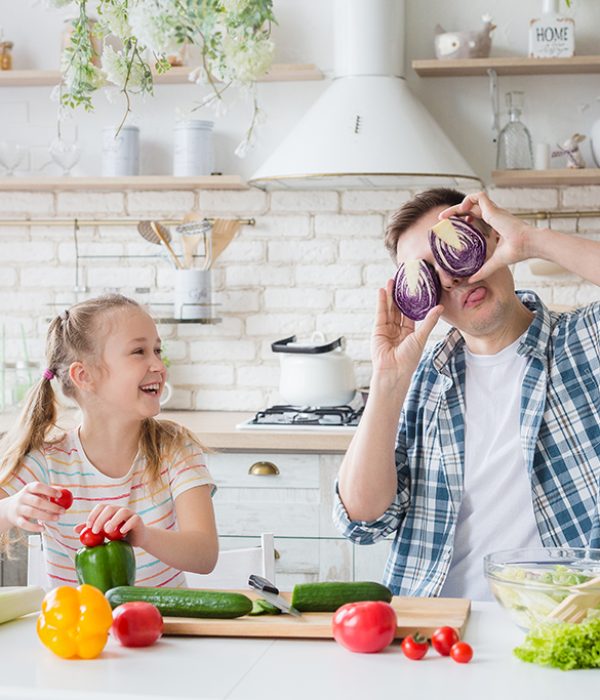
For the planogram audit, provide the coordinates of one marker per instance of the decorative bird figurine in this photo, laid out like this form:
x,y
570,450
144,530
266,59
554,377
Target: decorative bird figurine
x,y
469,44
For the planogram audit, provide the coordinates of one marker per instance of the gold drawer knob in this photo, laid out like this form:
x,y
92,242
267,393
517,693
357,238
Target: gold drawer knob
x,y
263,469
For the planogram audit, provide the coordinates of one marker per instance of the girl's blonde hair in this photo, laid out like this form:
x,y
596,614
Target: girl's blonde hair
x,y
73,336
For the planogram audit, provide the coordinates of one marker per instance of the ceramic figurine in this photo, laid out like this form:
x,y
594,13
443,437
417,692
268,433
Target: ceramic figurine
x,y
464,44
570,148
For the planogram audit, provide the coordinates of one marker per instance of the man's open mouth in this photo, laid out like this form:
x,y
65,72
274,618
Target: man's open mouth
x,y
152,389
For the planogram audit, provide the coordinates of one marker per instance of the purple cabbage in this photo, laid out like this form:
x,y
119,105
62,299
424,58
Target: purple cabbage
x,y
458,247
417,289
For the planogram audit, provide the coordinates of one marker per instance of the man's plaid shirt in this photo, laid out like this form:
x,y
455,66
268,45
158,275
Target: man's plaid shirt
x,y
560,435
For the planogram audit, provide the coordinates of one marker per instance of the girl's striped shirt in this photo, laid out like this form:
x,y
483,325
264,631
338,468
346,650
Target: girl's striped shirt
x,y
65,465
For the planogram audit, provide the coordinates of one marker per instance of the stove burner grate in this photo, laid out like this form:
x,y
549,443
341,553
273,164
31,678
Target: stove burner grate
x,y
308,415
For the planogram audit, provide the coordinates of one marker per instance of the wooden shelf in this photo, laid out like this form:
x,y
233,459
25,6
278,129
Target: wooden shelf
x,y
116,184
546,178
506,66
175,76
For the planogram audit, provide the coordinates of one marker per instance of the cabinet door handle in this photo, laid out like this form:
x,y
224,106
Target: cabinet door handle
x,y
277,555
263,469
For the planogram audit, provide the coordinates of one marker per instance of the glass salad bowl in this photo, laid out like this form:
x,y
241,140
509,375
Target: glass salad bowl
x,y
545,585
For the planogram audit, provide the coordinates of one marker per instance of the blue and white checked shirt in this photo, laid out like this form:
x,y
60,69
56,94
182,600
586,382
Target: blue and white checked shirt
x,y
560,434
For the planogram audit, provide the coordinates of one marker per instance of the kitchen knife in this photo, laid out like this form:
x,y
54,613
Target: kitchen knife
x,y
271,594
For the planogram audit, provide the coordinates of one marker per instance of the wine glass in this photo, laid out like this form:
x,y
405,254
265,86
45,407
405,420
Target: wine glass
x,y
11,156
65,150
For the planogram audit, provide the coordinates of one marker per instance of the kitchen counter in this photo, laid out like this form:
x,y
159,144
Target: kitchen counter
x,y
216,429
278,669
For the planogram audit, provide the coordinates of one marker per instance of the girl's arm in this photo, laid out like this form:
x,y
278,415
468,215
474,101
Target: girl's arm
x,y
193,547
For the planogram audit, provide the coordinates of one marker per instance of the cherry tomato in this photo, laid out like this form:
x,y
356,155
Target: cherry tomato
x,y
461,652
65,500
365,627
114,534
137,624
443,638
89,538
414,646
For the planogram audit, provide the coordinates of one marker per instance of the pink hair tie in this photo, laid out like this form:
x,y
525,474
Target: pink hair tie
x,y
48,374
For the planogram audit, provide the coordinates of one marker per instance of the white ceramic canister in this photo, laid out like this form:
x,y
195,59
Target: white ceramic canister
x,y
193,148
121,152
192,294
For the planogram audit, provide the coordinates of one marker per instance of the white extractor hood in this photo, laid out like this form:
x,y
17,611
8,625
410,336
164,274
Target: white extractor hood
x,y
367,129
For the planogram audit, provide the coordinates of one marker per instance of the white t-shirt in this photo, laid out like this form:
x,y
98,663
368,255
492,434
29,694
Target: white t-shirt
x,y
65,464
496,510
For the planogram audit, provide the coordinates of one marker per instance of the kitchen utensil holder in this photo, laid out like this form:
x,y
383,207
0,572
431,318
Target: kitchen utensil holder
x,y
192,294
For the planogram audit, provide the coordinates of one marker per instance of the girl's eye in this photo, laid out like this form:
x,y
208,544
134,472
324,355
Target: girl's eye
x,y
158,351
138,351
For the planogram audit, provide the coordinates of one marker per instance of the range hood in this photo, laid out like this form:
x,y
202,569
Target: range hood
x,y
367,129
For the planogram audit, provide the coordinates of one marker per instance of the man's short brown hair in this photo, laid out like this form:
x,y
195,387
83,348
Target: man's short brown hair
x,y
414,209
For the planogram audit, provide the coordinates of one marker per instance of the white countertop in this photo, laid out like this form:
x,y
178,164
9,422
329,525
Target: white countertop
x,y
269,669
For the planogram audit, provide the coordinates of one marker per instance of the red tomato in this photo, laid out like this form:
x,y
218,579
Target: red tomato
x,y
461,652
443,638
65,500
89,538
114,534
137,624
415,646
365,627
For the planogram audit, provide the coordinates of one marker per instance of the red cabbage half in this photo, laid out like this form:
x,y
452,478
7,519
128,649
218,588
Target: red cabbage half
x,y
417,289
458,247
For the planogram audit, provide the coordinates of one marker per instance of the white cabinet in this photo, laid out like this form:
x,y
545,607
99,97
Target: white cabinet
x,y
295,505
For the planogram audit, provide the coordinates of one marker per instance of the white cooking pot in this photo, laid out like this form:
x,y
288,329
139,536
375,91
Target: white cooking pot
x,y
313,374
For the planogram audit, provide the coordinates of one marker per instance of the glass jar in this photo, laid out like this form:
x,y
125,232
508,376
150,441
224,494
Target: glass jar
x,y
6,55
514,141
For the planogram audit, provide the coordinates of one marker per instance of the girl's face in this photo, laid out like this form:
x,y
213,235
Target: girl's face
x,y
132,373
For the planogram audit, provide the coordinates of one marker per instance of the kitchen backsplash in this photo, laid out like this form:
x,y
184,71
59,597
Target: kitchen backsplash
x,y
313,261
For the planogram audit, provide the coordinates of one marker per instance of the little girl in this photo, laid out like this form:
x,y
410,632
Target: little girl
x,y
125,469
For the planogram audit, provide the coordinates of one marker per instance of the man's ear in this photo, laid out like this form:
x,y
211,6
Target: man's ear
x,y
80,375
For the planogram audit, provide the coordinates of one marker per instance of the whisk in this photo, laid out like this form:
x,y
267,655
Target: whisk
x,y
192,230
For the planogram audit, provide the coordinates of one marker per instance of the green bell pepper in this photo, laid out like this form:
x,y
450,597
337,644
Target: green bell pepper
x,y
106,565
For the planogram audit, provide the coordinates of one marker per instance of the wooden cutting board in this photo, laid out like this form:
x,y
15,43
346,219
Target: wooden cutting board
x,y
414,614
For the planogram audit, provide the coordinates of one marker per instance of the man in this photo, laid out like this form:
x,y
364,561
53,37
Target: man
x,y
490,440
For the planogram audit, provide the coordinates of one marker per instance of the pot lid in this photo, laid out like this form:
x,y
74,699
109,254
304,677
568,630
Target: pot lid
x,y
290,345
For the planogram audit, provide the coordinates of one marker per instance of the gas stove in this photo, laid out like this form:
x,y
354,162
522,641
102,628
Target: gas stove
x,y
304,418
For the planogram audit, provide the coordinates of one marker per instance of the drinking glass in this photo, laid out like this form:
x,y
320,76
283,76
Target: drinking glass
x,y
65,150
11,156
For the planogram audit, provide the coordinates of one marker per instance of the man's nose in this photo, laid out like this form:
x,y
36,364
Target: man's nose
x,y
447,281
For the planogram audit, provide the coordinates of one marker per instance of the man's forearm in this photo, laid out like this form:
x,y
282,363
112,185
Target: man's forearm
x,y
367,478
189,551
578,255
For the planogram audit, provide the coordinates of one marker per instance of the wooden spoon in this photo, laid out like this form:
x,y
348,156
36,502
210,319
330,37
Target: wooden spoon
x,y
164,237
223,232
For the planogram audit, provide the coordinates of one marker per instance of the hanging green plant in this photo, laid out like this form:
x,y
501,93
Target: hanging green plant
x,y
137,37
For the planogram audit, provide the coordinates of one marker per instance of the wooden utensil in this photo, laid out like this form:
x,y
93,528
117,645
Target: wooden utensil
x,y
414,614
223,232
195,228
156,233
576,605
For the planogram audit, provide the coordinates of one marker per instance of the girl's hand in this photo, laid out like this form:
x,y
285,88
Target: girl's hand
x,y
514,234
395,344
31,507
110,518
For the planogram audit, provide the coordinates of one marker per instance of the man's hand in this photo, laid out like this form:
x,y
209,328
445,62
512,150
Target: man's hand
x,y
395,344
514,235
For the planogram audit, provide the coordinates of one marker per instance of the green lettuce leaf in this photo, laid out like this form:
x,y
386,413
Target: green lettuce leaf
x,y
563,645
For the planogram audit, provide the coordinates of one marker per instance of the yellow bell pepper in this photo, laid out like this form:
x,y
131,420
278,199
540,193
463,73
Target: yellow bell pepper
x,y
74,622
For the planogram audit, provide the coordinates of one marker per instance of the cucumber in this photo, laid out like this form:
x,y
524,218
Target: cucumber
x,y
329,596
260,606
184,602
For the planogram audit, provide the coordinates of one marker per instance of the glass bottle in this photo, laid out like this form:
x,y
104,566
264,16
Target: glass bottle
x,y
514,141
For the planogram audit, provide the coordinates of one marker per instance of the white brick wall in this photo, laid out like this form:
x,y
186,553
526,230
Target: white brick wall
x,y
313,261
